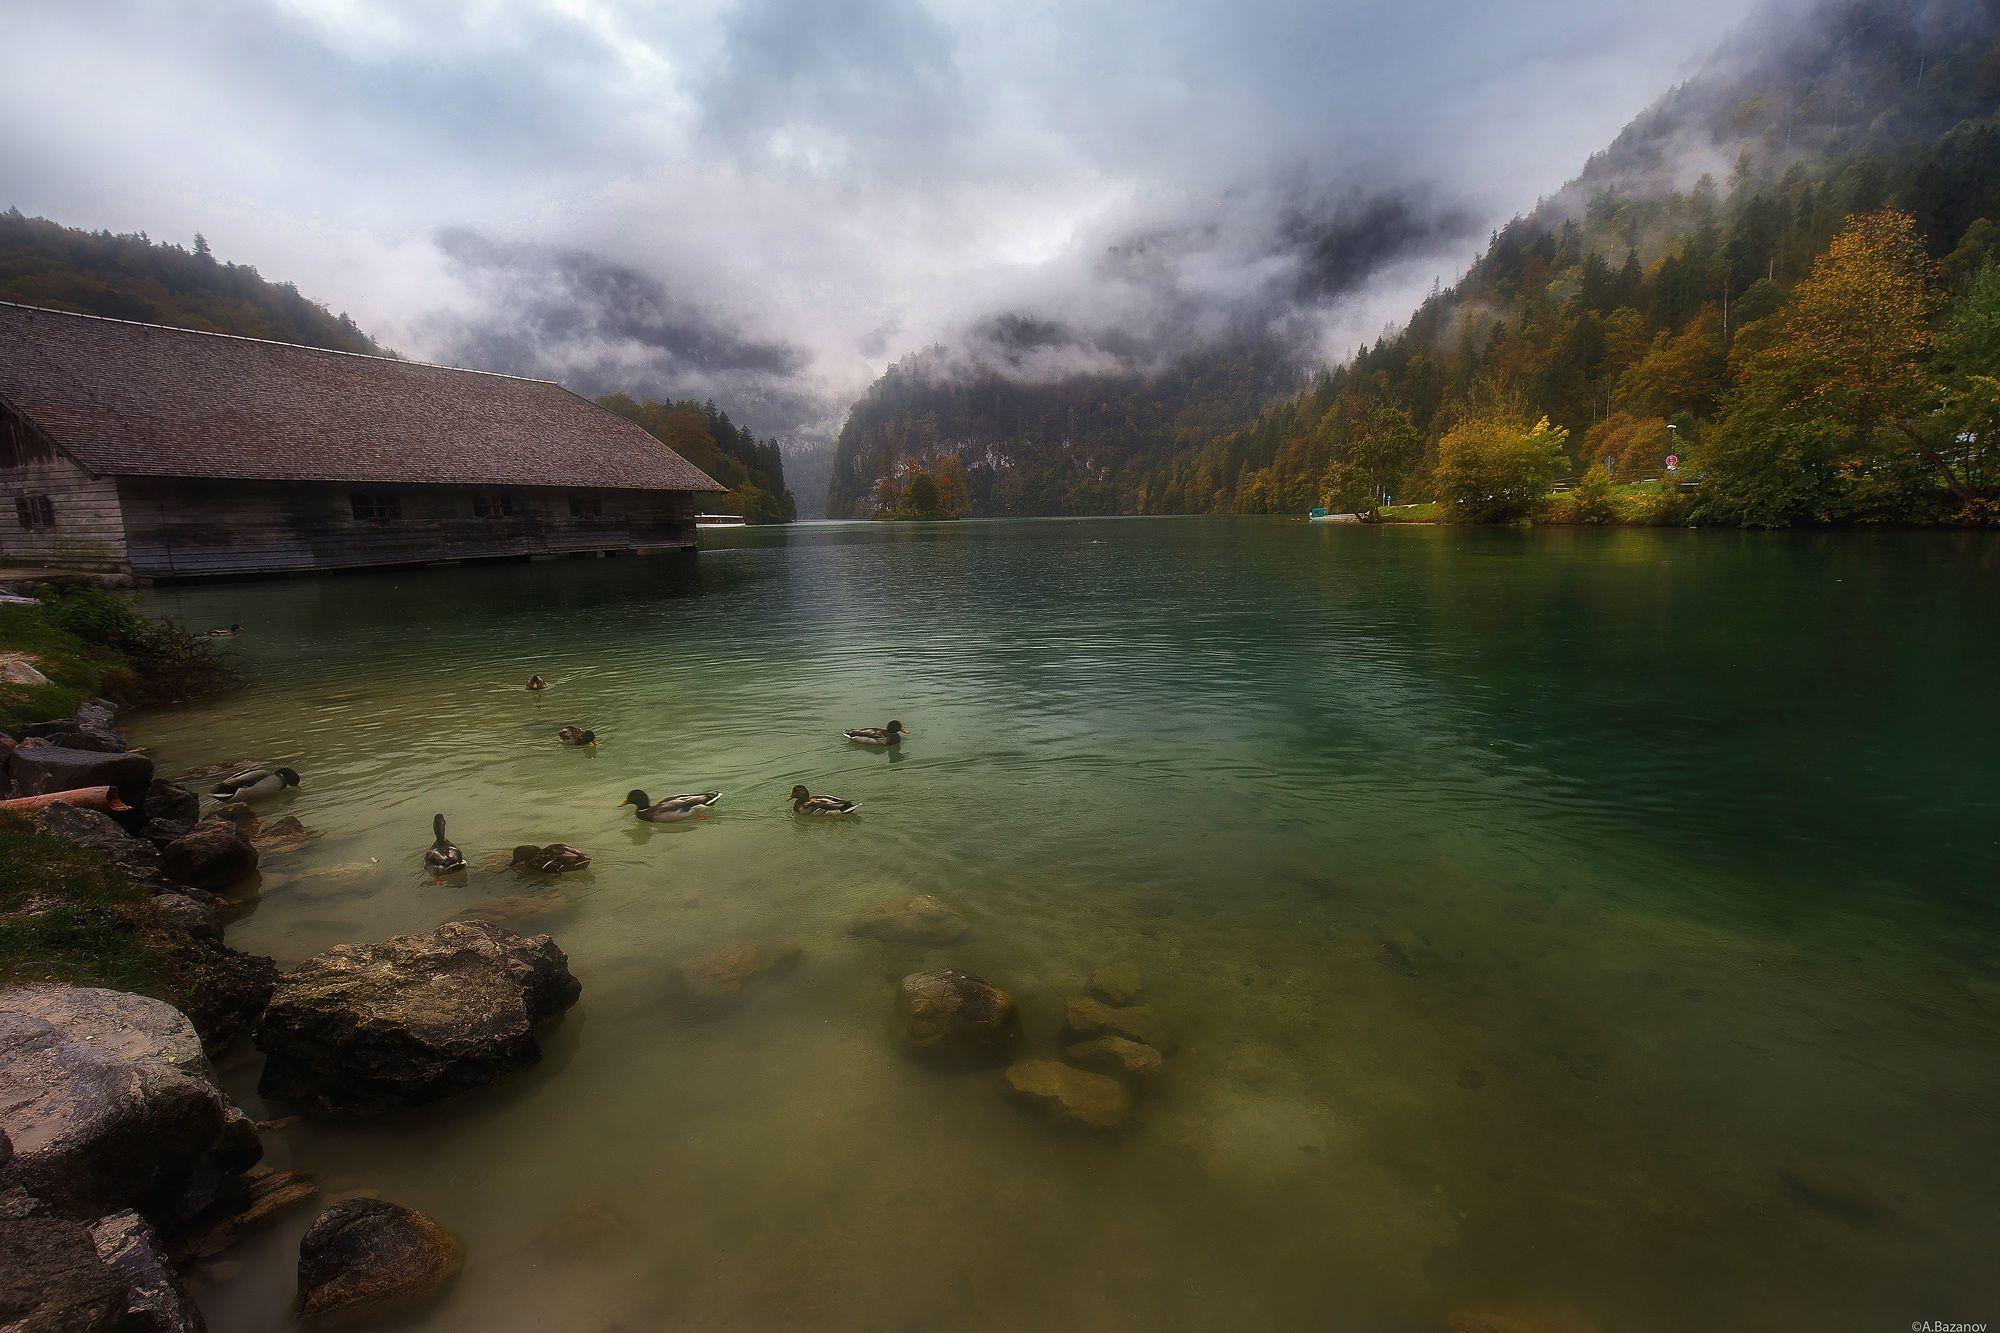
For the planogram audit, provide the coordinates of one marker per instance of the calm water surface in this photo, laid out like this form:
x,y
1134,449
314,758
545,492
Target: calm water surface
x,y
1591,926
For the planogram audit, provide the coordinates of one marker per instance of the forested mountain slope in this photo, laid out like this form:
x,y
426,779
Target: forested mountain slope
x,y
134,277
1630,310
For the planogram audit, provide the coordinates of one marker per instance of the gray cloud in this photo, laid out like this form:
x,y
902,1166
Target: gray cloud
x,y
768,200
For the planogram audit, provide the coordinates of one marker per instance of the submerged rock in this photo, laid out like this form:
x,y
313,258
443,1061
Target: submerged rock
x,y
954,1016
1070,1094
1117,984
213,855
715,979
1117,1055
917,920
110,1104
1094,1018
368,1027
366,1251
283,834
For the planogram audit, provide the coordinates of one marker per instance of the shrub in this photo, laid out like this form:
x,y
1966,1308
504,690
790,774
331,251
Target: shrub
x,y
1496,471
1591,501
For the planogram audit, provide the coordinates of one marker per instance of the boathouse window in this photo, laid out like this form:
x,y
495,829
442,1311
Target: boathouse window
x,y
586,506
492,506
376,508
34,511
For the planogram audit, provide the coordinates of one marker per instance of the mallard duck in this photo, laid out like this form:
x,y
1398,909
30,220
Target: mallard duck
x,y
673,809
805,803
225,632
537,683
577,736
444,856
553,859
890,735
254,784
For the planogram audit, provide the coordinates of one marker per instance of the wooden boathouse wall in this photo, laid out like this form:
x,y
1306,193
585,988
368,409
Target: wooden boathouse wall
x,y
191,529
52,511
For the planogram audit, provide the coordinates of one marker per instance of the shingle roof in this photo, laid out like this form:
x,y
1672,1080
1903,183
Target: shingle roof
x,y
130,399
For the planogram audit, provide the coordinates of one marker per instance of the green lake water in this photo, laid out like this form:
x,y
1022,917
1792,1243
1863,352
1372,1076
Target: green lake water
x,y
1597,927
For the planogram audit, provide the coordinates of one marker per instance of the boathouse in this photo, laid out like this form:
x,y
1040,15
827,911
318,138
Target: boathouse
x,y
173,454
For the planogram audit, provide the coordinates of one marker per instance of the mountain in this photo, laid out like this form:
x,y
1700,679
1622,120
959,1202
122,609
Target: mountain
x,y
134,277
1622,309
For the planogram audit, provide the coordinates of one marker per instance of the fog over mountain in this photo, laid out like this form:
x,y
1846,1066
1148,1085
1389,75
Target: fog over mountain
x,y
768,201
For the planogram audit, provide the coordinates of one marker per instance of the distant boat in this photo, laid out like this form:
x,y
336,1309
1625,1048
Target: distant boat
x,y
1317,514
718,520
1321,516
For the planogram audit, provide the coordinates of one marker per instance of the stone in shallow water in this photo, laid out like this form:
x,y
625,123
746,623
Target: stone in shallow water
x,y
214,855
918,920
717,978
954,1016
368,1027
1117,984
364,1251
1070,1094
1094,1018
1117,1055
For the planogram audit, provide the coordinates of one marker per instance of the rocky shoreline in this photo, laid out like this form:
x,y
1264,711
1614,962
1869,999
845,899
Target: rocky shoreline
x,y
120,1157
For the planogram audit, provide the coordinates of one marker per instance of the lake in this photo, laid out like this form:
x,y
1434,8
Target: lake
x,y
1591,927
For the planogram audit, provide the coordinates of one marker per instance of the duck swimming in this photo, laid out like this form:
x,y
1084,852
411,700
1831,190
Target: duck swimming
x,y
805,803
577,736
537,683
225,632
254,784
673,809
443,856
554,859
890,735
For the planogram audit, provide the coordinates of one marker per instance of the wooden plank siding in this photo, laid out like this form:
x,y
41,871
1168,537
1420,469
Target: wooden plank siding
x,y
85,528
207,528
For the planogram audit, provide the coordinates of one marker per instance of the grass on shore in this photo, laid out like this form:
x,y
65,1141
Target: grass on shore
x,y
68,914
77,670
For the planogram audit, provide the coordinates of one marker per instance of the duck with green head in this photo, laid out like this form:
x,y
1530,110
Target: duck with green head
x,y
672,809
577,736
803,802
254,784
878,736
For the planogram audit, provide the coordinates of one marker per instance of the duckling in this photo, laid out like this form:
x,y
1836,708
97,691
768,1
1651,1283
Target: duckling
x,y
671,810
553,859
443,856
254,784
577,736
537,683
805,803
225,632
890,735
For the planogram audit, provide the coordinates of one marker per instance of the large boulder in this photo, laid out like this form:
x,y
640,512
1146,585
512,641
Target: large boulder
x,y
1073,1095
365,1251
914,920
212,855
53,1280
155,1297
99,831
369,1027
38,767
110,1104
954,1016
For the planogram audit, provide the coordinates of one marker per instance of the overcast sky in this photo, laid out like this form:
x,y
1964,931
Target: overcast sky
x,y
770,200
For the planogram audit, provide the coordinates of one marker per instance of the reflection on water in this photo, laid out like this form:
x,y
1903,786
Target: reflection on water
x,y
1594,927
